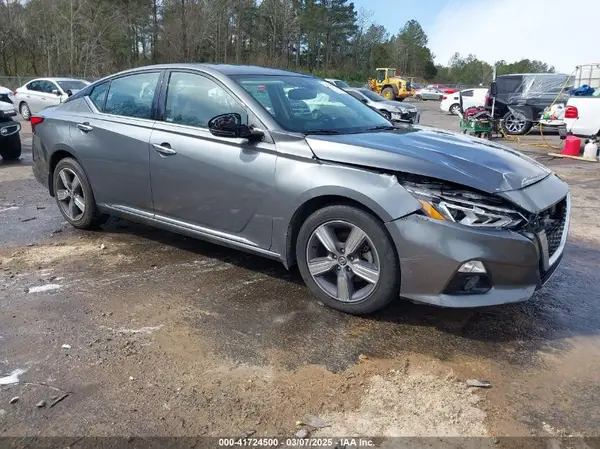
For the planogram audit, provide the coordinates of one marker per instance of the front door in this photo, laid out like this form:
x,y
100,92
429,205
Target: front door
x,y
199,180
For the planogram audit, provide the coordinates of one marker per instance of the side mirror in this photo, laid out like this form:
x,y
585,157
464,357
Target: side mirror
x,y
494,89
55,91
230,125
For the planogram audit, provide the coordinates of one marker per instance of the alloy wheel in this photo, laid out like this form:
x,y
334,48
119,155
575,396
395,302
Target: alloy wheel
x,y
515,123
455,109
343,261
70,195
25,111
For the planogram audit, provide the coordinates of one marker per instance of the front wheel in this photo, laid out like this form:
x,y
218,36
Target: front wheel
x,y
10,147
388,93
418,97
348,260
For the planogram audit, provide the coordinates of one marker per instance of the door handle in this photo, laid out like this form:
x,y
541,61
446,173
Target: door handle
x,y
164,149
85,127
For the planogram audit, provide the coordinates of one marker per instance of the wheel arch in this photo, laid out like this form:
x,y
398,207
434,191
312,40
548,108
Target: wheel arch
x,y
384,209
308,208
58,155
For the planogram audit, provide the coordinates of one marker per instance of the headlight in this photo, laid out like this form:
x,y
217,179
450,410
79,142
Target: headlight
x,y
464,207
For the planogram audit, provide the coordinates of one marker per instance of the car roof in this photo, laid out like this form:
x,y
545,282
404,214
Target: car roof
x,y
225,69
55,79
532,74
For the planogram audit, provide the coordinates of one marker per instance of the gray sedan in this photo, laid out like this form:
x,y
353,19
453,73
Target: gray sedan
x,y
395,111
367,210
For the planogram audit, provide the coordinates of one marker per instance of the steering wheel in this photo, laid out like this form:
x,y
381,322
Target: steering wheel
x,y
316,114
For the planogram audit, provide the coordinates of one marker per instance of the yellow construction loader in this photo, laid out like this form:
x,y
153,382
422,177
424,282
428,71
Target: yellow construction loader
x,y
390,85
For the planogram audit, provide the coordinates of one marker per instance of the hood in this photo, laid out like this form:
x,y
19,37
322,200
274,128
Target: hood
x,y
444,155
399,105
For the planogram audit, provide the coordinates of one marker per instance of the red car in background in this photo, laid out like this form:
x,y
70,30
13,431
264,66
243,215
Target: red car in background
x,y
445,89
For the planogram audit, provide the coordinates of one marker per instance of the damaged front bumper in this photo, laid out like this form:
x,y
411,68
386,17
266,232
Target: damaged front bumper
x,y
512,265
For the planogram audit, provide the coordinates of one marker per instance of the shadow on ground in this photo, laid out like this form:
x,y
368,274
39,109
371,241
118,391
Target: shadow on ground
x,y
279,315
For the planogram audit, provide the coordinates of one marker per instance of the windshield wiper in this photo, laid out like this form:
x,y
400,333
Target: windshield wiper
x,y
326,132
382,128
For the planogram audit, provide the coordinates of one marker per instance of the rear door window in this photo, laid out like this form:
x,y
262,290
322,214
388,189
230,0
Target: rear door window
x,y
34,85
132,95
467,93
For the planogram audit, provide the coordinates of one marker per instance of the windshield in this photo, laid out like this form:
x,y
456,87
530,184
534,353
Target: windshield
x,y
71,85
304,104
371,95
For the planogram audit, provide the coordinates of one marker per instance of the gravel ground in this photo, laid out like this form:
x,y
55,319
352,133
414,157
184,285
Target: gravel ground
x,y
153,334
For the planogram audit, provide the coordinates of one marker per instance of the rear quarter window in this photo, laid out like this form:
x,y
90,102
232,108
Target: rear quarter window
x,y
98,96
509,84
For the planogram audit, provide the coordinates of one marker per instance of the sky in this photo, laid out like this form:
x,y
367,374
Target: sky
x,y
562,33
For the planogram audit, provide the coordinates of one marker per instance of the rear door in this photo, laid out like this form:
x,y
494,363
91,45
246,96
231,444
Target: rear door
x,y
112,140
32,96
467,99
50,94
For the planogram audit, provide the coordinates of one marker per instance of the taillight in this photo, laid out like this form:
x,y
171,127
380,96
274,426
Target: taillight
x,y
35,120
571,112
444,97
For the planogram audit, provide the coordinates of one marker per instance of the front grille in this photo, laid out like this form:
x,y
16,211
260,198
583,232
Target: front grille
x,y
553,221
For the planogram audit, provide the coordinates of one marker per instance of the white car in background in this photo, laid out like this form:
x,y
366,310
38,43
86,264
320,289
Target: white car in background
x,y
43,92
470,97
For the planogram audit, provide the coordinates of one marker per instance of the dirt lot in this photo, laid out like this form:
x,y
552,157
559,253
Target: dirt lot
x,y
154,334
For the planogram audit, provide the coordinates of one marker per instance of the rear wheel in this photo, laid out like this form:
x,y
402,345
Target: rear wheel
x,y
25,111
10,147
347,259
74,195
455,109
388,93
418,97
516,124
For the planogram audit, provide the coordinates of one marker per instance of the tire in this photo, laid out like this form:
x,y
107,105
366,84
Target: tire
x,y
388,93
514,125
455,109
400,99
25,111
11,147
375,251
86,219
418,98
387,115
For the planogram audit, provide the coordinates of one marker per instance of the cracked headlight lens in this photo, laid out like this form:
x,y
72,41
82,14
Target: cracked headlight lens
x,y
464,207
